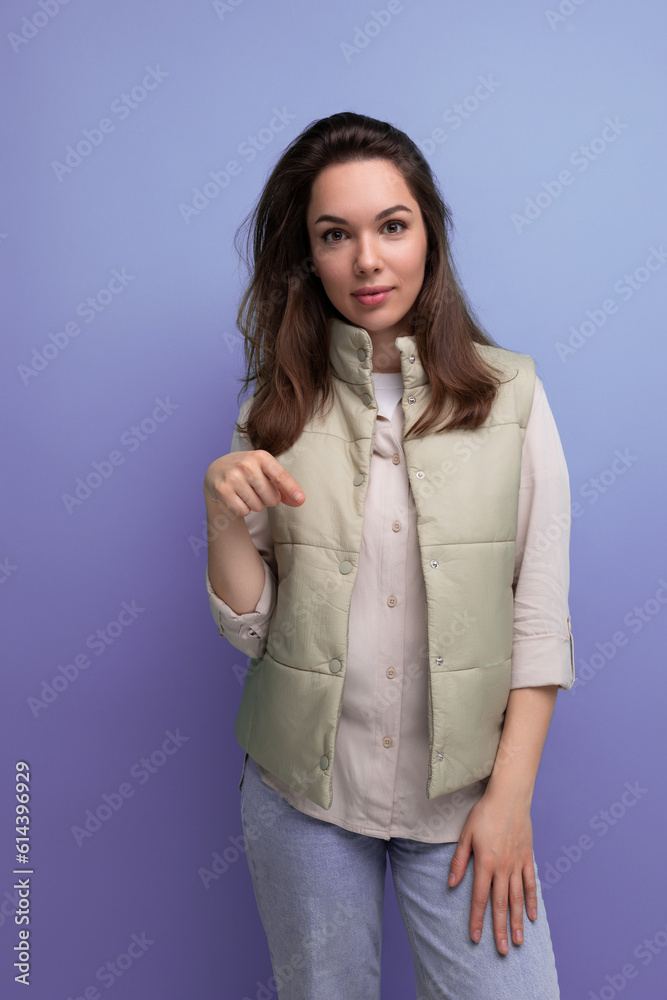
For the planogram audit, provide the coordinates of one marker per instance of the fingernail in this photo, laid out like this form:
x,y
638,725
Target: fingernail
x,y
476,935
518,936
533,914
503,945
298,495
451,879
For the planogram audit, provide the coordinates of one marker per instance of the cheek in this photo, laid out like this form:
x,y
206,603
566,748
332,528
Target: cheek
x,y
332,270
419,264
411,261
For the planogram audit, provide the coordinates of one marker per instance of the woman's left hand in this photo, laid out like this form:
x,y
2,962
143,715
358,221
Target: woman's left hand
x,y
500,835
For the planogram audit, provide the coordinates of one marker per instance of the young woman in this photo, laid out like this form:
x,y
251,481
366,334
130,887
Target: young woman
x,y
388,542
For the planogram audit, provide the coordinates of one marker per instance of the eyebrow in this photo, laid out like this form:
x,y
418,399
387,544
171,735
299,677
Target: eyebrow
x,y
381,215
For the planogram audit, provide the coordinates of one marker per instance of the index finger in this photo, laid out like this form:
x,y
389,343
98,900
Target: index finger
x,y
290,491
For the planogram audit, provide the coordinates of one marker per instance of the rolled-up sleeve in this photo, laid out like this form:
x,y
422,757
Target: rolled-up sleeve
x,y
543,646
248,632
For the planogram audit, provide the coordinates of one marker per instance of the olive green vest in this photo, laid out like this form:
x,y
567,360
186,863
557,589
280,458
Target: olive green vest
x,y
465,485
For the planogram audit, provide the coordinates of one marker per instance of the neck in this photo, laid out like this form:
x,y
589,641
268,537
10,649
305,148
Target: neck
x,y
350,350
385,356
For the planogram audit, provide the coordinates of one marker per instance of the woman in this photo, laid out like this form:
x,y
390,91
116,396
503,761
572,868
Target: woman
x,y
382,544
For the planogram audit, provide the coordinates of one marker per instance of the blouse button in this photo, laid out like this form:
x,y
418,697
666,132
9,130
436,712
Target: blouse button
x,y
387,741
345,566
391,671
396,526
391,601
396,459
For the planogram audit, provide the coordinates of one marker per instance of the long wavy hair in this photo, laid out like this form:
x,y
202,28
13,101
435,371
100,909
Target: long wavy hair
x,y
284,309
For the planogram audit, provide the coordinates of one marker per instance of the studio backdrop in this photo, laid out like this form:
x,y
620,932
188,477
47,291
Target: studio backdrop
x,y
136,138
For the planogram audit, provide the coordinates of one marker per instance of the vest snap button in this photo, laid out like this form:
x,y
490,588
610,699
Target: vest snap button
x,y
439,756
324,762
366,398
345,566
358,479
420,474
334,666
361,354
438,660
411,399
434,563
412,359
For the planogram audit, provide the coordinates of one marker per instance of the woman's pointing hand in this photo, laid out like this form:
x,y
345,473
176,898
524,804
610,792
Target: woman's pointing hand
x,y
250,480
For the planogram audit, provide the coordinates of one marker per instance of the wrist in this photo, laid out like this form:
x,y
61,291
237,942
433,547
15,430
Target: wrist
x,y
219,518
510,788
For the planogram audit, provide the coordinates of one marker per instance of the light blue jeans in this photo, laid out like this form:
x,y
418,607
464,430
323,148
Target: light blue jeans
x,y
320,891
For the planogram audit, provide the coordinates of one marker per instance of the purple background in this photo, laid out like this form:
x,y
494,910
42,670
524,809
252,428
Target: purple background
x,y
169,334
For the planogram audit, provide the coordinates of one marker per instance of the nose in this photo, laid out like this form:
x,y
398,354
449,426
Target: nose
x,y
368,257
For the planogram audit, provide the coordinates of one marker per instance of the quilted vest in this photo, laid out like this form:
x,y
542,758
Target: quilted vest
x,y
465,485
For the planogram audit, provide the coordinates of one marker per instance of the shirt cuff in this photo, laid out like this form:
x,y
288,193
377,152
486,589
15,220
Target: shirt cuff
x,y
253,625
543,659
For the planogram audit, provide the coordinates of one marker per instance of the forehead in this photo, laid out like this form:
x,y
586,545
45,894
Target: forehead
x,y
359,189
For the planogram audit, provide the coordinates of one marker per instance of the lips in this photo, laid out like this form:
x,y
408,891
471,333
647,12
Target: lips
x,y
372,294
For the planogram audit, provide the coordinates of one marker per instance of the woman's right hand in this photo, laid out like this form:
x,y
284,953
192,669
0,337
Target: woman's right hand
x,y
250,480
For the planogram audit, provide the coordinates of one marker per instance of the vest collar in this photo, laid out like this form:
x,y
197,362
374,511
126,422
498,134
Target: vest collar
x,y
351,355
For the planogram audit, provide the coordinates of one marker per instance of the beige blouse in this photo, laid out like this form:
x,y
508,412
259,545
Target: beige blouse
x,y
380,764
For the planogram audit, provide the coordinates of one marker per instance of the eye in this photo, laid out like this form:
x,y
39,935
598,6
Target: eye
x,y
325,236
392,222
396,222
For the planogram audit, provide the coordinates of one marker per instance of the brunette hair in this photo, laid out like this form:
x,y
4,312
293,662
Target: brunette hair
x,y
284,310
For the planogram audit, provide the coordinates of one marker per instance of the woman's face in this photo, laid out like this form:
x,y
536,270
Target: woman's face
x,y
366,230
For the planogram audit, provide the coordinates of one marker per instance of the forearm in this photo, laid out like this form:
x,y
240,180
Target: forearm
x,y
527,719
235,567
